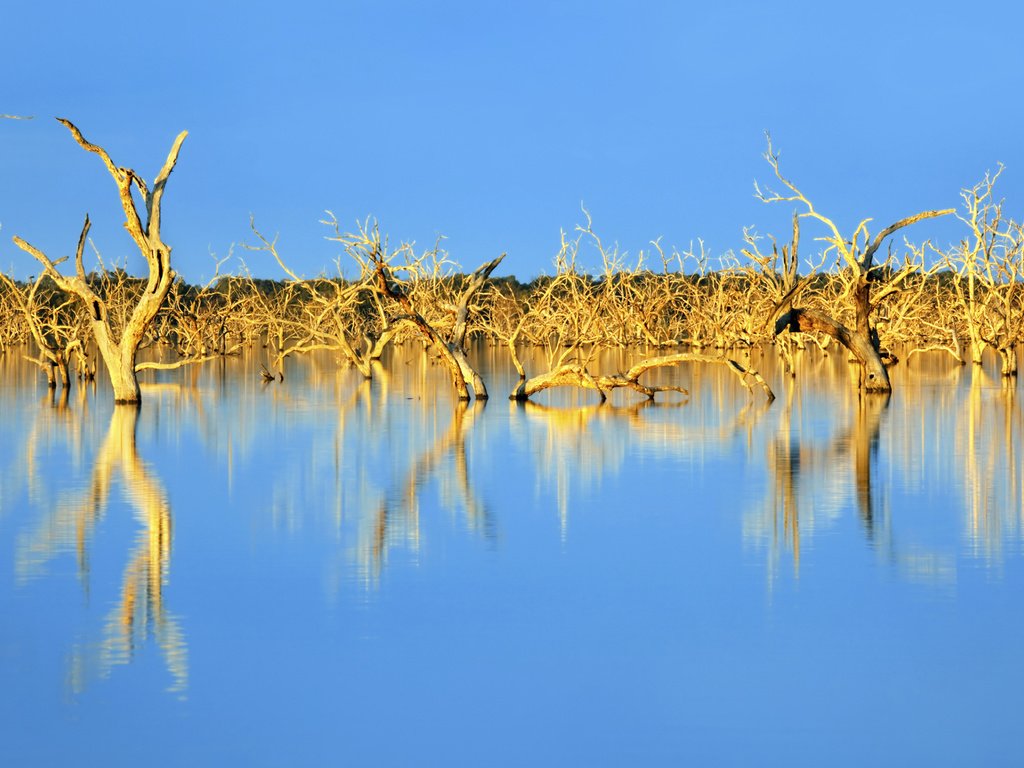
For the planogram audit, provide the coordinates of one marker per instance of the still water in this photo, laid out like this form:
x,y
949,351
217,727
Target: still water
x,y
331,571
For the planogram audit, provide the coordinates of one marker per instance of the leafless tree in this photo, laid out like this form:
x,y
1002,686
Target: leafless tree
x,y
119,346
986,270
856,259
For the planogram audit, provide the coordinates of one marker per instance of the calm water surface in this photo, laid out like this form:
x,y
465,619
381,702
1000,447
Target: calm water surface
x,y
332,571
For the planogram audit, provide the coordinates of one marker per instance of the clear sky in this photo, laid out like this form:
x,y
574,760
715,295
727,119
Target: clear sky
x,y
491,122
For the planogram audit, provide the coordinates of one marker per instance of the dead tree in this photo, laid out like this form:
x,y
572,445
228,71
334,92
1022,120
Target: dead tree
x,y
457,345
119,346
196,320
856,257
13,325
388,286
322,319
561,315
369,249
53,327
778,277
986,270
577,375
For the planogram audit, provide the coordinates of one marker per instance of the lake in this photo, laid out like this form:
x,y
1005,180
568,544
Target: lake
x,y
327,571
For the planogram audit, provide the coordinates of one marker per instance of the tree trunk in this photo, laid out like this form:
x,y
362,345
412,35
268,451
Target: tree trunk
x,y
874,377
977,345
124,379
119,354
574,375
1008,357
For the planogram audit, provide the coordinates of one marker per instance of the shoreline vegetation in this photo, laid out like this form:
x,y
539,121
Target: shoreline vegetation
x,y
869,293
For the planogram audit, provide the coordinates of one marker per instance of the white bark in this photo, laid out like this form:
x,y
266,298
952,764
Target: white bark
x,y
119,353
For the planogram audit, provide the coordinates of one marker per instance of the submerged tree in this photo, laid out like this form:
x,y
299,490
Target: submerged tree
x,y
119,346
986,269
856,257
370,249
396,292
54,326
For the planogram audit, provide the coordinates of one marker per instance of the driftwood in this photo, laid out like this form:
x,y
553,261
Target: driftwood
x,y
576,375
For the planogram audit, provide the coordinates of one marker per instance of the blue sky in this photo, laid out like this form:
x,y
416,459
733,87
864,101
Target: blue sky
x,y
490,123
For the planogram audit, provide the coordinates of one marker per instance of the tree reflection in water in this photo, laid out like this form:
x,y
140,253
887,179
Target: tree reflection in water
x,y
387,448
139,614
582,445
957,433
792,462
360,460
397,515
988,432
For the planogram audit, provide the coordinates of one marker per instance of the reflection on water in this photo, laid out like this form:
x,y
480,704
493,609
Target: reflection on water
x,y
365,458
955,433
989,434
140,613
395,518
579,446
809,480
68,525
325,519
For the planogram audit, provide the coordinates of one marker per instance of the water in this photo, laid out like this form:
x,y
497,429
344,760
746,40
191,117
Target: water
x,y
327,571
